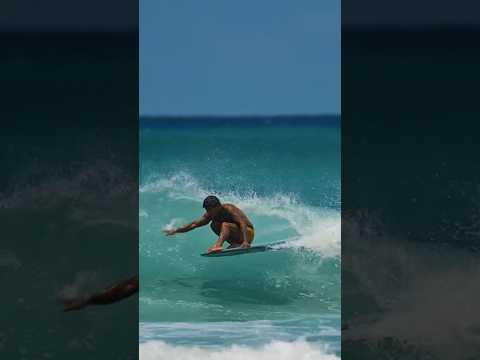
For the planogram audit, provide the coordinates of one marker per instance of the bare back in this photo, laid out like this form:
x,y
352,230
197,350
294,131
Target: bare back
x,y
231,214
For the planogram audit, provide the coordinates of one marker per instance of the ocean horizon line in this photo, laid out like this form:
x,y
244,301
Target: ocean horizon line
x,y
228,116
331,120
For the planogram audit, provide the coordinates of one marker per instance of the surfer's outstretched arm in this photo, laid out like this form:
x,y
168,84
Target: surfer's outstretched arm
x,y
204,220
113,294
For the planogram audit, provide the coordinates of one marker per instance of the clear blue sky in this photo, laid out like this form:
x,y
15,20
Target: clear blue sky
x,y
221,57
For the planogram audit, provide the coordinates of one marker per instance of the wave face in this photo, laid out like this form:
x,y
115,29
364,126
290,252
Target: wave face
x,y
287,180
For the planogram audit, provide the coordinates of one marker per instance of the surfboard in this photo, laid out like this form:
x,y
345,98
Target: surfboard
x,y
241,251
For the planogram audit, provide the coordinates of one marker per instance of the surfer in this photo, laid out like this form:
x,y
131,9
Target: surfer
x,y
227,221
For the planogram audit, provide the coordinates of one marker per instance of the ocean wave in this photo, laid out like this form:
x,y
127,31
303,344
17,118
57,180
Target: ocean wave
x,y
178,304
322,328
275,350
315,228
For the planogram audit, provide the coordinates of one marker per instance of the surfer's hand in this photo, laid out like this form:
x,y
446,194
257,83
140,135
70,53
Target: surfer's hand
x,y
170,232
245,245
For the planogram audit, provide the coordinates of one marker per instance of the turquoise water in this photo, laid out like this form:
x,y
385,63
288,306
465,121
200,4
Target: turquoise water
x,y
287,180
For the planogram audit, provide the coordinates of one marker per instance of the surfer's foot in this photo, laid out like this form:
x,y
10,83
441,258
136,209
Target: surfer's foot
x,y
214,248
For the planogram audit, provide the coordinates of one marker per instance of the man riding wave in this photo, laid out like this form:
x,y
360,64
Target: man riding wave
x,y
227,221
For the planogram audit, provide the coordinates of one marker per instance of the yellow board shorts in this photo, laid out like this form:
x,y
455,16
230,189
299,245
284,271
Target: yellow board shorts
x,y
252,230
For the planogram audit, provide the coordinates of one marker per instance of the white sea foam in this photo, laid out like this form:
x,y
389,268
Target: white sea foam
x,y
275,350
173,223
316,228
